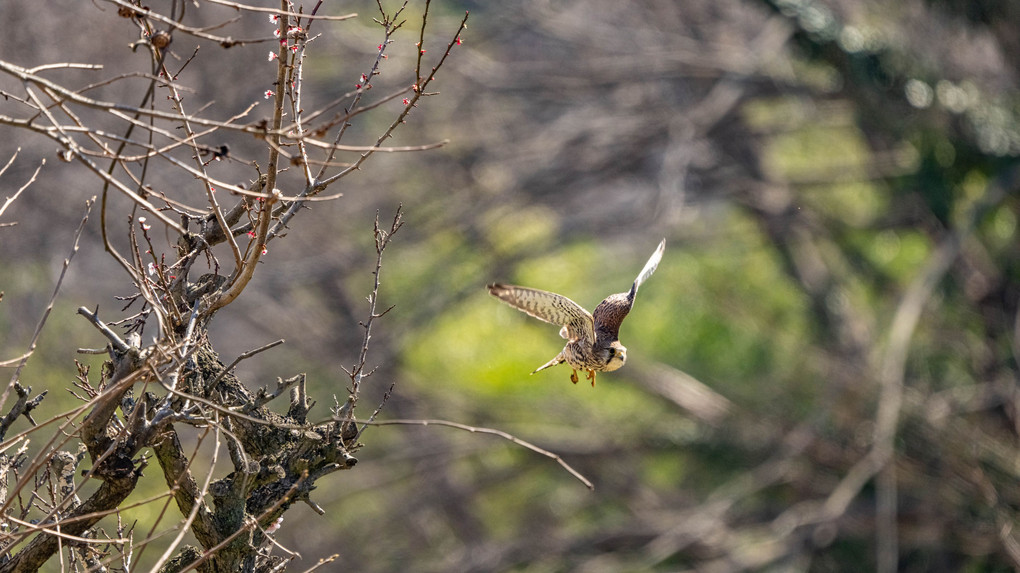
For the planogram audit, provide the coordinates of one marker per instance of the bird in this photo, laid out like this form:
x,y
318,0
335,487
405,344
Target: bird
x,y
593,339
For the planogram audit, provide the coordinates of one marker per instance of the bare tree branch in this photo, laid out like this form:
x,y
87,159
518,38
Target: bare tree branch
x,y
509,437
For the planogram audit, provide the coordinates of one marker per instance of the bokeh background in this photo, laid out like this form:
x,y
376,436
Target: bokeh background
x,y
822,373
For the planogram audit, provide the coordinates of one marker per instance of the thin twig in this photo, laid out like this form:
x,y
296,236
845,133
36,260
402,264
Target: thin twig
x,y
243,356
49,307
10,162
30,181
323,561
214,206
277,11
390,26
224,41
419,91
506,436
357,372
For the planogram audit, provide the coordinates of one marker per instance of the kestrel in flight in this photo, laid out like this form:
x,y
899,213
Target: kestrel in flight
x,y
593,343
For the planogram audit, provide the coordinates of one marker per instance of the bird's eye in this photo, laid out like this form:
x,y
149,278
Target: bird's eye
x,y
612,352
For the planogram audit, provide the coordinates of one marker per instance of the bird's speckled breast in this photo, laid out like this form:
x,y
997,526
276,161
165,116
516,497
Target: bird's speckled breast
x,y
581,356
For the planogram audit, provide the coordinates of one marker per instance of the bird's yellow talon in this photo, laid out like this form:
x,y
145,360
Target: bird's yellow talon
x,y
573,376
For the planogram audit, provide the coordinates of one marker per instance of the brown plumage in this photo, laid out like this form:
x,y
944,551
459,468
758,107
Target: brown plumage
x,y
593,343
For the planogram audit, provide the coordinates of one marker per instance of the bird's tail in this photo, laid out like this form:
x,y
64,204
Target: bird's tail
x,y
558,360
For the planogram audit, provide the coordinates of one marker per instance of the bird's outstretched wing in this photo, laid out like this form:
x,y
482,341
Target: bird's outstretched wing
x,y
650,266
609,314
550,307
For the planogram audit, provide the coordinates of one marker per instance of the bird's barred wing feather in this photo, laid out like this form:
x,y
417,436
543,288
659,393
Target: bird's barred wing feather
x,y
550,307
609,314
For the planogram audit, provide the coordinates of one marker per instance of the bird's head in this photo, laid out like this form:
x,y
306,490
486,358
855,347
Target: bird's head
x,y
616,356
